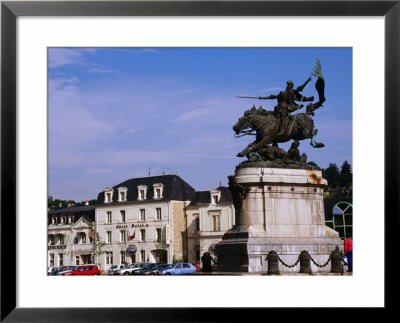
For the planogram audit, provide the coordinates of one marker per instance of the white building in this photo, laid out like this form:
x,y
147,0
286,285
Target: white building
x,y
208,216
143,220
70,236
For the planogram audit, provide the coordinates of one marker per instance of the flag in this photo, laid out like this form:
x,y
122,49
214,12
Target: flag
x,y
131,237
320,84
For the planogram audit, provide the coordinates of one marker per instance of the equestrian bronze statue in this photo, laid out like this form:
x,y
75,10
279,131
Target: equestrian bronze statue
x,y
279,126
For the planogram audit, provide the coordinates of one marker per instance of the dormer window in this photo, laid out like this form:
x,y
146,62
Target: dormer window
x,y
142,192
62,220
215,196
108,194
122,193
54,220
158,191
70,219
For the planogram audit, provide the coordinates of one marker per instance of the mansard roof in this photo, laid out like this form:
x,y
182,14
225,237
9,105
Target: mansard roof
x,y
77,211
204,197
174,188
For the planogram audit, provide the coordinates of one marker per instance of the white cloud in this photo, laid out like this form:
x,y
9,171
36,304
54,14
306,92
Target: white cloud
x,y
193,114
272,89
99,70
58,57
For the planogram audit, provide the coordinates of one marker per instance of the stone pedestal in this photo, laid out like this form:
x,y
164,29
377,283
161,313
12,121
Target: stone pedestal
x,y
282,210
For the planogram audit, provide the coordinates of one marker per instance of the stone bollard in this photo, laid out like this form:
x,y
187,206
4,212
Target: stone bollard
x,y
305,263
273,263
336,261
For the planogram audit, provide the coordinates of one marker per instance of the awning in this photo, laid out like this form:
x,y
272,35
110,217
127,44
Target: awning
x,y
131,249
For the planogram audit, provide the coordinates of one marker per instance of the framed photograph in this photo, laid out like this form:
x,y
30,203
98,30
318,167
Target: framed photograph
x,y
44,41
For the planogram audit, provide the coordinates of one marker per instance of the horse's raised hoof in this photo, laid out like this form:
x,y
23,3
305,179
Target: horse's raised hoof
x,y
239,155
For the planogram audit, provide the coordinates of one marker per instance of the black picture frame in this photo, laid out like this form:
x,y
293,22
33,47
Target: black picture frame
x,y
10,10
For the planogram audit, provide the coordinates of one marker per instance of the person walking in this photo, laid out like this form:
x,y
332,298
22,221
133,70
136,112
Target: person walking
x,y
348,251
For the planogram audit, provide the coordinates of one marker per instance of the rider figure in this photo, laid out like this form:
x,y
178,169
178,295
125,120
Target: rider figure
x,y
286,102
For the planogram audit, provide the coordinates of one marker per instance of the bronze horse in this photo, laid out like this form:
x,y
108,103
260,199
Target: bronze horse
x,y
266,127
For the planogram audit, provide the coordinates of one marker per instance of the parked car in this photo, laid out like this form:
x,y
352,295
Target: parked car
x,y
181,268
145,269
54,270
66,268
113,268
130,269
83,270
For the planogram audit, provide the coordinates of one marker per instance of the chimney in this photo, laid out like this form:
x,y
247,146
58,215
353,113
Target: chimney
x,y
163,173
86,202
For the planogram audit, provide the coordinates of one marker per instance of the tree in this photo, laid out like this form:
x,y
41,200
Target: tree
x,y
332,175
161,247
313,164
346,176
98,245
199,240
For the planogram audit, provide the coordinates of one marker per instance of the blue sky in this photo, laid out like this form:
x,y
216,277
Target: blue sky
x,y
115,112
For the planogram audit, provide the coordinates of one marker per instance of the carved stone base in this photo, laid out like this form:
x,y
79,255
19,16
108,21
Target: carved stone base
x,y
283,211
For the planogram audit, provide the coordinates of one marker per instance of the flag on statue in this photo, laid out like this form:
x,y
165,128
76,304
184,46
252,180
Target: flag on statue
x,y
320,84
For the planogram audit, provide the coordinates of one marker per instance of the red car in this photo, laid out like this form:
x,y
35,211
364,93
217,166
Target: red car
x,y
86,270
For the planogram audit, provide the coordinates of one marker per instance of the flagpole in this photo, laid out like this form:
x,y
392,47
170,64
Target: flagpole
x,y
302,96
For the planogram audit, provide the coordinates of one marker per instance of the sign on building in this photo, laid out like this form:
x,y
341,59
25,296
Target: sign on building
x,y
167,234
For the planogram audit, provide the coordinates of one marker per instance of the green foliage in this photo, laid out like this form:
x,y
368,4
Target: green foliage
x,y
346,177
99,245
339,182
199,240
160,245
61,204
332,175
313,164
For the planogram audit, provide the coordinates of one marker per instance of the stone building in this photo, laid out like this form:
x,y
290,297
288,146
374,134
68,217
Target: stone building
x,y
208,216
143,220
70,235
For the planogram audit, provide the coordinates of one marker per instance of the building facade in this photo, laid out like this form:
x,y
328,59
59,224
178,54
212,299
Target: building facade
x,y
208,216
70,236
142,220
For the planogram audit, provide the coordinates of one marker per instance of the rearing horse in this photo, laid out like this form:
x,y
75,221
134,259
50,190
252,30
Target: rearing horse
x,y
266,126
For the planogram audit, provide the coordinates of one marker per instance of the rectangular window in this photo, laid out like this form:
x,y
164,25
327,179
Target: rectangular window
x,y
108,237
52,259
142,255
108,197
141,194
142,235
109,217
158,213
122,196
83,238
122,254
70,219
109,258
76,260
216,223
196,225
142,215
123,217
158,234
60,259
122,236
157,194
54,220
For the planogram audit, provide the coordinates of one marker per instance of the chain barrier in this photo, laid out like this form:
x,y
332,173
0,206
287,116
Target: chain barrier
x,y
335,258
321,266
286,265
